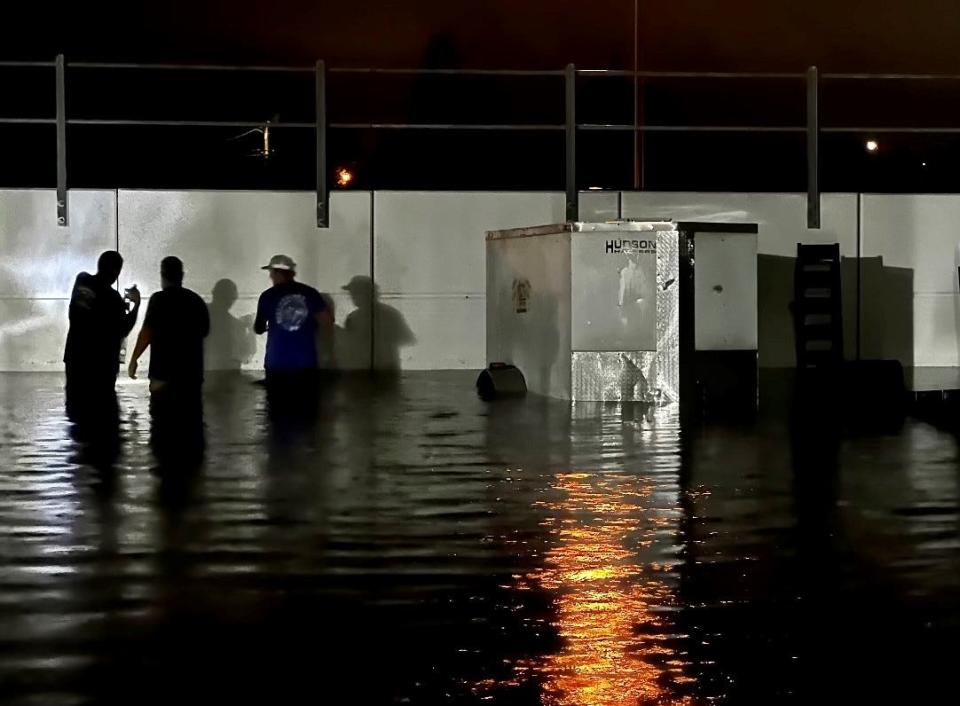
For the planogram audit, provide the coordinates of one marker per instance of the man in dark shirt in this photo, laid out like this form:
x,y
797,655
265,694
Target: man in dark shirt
x,y
291,313
174,328
99,321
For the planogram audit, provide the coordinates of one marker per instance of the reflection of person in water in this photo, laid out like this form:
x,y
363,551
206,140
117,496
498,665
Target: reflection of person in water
x,y
392,331
231,342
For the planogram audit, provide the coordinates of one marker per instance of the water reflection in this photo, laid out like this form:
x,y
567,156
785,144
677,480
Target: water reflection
x,y
612,607
611,567
515,554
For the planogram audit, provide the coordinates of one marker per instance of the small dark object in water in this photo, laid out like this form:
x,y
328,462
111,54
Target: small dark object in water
x,y
501,380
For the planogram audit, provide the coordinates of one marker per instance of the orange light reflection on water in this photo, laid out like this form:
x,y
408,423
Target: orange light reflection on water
x,y
610,602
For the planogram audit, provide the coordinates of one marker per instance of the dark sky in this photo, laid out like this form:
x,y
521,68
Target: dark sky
x,y
844,35
693,35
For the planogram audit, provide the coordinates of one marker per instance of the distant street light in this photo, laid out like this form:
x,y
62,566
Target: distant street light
x,y
872,145
344,177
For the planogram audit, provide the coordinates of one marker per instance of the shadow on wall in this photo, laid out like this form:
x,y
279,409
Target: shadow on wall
x,y
774,321
326,350
231,342
886,312
391,331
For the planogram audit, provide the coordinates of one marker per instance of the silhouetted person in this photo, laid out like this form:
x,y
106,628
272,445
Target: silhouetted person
x,y
291,314
231,342
392,331
99,321
174,328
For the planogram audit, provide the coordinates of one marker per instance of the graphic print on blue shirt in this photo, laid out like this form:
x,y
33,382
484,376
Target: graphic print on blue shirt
x,y
289,312
292,312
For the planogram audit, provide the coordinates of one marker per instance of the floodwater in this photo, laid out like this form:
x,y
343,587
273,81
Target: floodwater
x,y
410,544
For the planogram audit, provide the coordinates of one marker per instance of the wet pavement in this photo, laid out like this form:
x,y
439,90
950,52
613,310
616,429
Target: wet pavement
x,y
412,544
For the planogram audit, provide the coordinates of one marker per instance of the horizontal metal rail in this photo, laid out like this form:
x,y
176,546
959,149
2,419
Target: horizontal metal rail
x,y
446,72
891,77
813,128
28,121
191,67
688,74
187,123
480,127
27,64
691,128
468,127
627,73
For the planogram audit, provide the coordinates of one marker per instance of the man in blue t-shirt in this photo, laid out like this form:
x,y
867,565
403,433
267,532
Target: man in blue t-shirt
x,y
291,313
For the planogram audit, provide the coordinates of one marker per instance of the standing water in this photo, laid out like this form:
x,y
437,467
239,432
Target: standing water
x,y
408,543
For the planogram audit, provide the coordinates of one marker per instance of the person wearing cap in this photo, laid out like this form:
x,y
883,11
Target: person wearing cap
x,y
291,313
174,328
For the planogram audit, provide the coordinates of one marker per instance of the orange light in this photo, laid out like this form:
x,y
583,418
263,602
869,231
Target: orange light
x,y
344,177
614,580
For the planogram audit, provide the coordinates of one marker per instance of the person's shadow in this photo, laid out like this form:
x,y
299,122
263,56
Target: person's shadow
x,y
231,341
386,325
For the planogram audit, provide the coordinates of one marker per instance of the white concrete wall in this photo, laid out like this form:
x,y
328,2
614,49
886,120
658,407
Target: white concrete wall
x,y
782,217
232,234
428,255
38,264
921,233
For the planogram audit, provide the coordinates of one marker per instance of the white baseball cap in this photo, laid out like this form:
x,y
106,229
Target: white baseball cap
x,y
281,262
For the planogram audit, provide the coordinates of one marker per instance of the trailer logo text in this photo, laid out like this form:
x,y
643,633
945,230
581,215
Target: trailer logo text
x,y
631,246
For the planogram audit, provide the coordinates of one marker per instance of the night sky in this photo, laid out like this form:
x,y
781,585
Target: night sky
x,y
701,35
758,35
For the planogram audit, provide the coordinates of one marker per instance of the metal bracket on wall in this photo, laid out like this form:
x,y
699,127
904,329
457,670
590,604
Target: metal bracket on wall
x,y
323,188
63,218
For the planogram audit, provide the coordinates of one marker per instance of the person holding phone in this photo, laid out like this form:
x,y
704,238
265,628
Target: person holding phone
x,y
100,319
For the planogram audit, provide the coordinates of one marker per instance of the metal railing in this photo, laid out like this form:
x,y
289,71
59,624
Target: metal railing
x,y
570,127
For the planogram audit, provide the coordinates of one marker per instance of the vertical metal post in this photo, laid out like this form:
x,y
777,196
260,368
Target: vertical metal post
x,y
573,196
374,319
62,210
687,326
859,267
323,188
813,147
638,145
